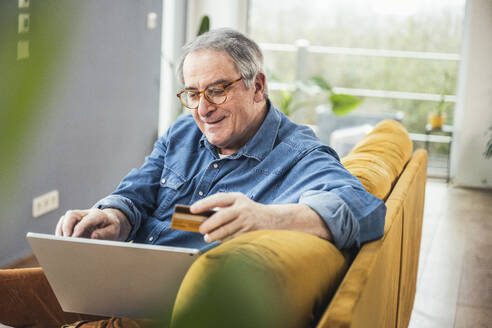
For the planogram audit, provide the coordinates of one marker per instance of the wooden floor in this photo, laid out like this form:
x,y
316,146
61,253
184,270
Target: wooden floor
x,y
454,286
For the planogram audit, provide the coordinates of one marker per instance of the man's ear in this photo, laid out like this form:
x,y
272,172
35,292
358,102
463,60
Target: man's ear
x,y
259,85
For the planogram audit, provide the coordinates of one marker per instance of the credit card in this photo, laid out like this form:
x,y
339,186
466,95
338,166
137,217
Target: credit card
x,y
183,219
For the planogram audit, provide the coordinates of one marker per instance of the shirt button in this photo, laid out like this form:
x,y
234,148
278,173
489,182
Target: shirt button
x,y
163,180
151,238
216,165
200,193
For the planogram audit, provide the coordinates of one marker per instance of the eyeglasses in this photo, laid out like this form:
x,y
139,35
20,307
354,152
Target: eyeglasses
x,y
215,94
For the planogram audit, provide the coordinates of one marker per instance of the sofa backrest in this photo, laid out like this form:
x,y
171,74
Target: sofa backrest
x,y
379,288
379,158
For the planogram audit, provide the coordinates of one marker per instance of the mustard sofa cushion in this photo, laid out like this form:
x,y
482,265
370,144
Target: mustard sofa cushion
x,y
379,158
260,279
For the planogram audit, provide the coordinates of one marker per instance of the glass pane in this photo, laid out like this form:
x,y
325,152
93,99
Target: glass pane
x,y
414,25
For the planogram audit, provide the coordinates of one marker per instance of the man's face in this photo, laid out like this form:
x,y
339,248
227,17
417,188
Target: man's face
x,y
230,125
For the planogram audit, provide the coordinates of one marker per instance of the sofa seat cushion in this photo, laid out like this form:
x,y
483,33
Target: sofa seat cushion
x,y
268,278
379,158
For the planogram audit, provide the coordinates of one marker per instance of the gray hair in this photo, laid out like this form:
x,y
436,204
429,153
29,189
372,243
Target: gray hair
x,y
244,52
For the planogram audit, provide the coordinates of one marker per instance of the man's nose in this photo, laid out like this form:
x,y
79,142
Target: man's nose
x,y
204,106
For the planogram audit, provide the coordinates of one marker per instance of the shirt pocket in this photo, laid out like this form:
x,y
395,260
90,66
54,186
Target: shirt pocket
x,y
170,185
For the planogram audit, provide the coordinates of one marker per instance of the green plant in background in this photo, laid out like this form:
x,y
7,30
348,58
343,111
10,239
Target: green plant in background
x,y
290,101
341,104
442,105
488,148
204,25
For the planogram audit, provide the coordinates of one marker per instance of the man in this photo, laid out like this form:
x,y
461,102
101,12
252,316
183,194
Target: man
x,y
239,154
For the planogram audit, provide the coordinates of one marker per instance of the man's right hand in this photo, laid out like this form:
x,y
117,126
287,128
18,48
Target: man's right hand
x,y
109,224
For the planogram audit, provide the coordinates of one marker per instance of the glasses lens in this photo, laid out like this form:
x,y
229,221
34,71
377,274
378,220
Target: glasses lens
x,y
190,98
216,94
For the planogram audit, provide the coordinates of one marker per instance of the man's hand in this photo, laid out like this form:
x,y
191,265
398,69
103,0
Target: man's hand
x,y
109,224
238,214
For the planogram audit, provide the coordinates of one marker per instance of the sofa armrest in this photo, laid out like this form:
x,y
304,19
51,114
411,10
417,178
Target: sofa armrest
x,y
264,278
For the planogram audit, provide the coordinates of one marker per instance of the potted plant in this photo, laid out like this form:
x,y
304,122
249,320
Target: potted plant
x,y
436,118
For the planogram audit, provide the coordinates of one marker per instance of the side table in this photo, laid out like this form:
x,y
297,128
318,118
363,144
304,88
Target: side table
x,y
446,132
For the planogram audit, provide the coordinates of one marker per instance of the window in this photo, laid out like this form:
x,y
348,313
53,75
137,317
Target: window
x,y
396,55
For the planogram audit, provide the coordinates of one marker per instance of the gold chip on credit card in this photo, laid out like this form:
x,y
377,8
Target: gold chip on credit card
x,y
183,219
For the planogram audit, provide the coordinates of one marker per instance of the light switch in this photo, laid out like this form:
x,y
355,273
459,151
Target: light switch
x,y
24,3
24,22
22,49
151,21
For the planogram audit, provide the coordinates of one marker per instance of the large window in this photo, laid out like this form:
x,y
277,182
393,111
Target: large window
x,y
397,55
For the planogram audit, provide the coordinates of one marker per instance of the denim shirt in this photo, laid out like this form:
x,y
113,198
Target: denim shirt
x,y
283,163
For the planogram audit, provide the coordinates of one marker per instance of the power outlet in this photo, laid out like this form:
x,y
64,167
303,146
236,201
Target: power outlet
x,y
24,23
22,49
45,203
24,4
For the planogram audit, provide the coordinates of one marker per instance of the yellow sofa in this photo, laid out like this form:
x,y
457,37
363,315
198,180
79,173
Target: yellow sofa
x,y
292,279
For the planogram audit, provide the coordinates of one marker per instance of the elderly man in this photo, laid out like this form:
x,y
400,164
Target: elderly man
x,y
235,152
238,153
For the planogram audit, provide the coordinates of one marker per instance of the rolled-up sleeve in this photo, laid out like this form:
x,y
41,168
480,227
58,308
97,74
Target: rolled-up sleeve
x,y
136,195
352,215
352,221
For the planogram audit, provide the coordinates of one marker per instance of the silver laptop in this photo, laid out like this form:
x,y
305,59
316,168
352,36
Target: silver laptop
x,y
112,278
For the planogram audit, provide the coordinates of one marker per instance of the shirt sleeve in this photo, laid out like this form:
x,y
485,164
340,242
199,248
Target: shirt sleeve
x,y
136,195
353,215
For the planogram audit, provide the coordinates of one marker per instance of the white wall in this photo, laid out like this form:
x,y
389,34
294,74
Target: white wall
x,y
222,13
173,38
474,107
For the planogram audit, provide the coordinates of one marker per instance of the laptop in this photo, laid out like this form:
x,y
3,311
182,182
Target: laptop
x,y
112,278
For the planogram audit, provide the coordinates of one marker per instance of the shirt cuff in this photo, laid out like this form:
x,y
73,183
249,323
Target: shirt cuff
x,y
343,225
126,206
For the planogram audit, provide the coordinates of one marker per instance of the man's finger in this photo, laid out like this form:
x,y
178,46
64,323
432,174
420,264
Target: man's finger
x,y
58,230
70,220
216,200
90,222
224,232
221,217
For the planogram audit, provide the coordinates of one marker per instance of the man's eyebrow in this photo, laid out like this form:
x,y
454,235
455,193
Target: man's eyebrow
x,y
220,81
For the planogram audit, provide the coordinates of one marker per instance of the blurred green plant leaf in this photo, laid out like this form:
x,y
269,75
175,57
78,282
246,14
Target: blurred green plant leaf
x,y
287,104
342,103
204,25
237,293
321,83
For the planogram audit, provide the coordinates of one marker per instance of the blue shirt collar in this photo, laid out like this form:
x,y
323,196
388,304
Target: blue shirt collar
x,y
262,142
